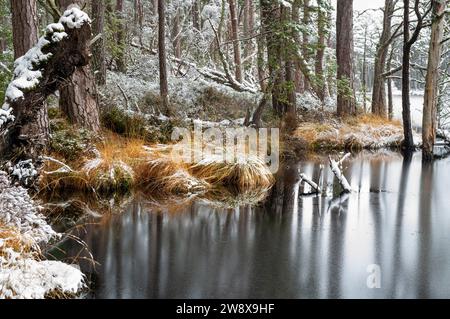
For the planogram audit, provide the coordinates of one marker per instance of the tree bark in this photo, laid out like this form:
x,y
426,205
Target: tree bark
x,y
235,39
25,36
138,18
322,23
176,42
364,71
344,54
164,88
98,49
120,60
66,56
408,41
79,92
305,39
298,75
389,85
379,91
432,77
196,15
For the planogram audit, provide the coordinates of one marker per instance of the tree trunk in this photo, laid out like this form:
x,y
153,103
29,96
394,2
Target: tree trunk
x,y
261,44
408,142
176,35
78,102
120,59
379,91
98,49
164,89
389,85
364,71
235,39
344,55
25,36
79,92
196,15
138,18
290,108
432,77
298,75
66,56
322,22
305,39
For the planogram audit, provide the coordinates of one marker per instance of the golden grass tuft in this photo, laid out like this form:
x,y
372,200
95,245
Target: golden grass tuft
x,y
108,175
162,175
365,131
11,238
244,174
122,164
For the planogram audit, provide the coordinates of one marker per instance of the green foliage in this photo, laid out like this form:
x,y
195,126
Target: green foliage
x,y
113,25
6,56
135,126
66,140
344,87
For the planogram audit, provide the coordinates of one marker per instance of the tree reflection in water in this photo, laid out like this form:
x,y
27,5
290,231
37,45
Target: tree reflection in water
x,y
290,247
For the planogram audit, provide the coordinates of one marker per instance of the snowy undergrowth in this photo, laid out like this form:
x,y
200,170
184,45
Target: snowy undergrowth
x,y
128,90
22,230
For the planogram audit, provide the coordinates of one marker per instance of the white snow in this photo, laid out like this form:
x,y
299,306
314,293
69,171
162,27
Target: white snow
x,y
27,72
21,275
32,279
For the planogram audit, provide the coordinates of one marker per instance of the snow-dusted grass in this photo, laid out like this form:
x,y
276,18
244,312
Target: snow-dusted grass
x,y
362,132
22,231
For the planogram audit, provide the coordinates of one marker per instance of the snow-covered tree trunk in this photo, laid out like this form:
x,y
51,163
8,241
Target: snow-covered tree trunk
x,y
39,73
344,55
432,77
25,36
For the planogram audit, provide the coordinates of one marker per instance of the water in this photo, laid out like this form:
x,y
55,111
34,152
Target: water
x,y
291,247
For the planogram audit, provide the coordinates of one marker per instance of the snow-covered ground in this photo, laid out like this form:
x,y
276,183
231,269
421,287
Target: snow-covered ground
x,y
23,274
416,108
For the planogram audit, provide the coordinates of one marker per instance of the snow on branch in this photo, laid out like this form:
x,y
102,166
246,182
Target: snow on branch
x,y
31,71
443,134
336,168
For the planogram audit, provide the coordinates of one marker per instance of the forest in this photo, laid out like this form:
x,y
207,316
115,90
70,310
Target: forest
x,y
171,126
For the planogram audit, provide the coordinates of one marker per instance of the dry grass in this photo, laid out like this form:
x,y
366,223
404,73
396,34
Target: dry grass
x,y
244,174
354,133
11,238
162,175
122,164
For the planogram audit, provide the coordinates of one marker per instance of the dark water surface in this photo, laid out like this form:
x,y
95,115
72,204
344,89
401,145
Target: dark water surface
x,y
291,247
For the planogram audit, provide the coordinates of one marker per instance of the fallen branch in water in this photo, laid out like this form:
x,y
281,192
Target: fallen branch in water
x,y
443,134
315,188
336,168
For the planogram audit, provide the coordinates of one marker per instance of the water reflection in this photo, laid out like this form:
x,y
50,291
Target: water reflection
x,y
291,247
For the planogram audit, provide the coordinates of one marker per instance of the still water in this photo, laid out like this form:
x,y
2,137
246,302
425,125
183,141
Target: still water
x,y
289,247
